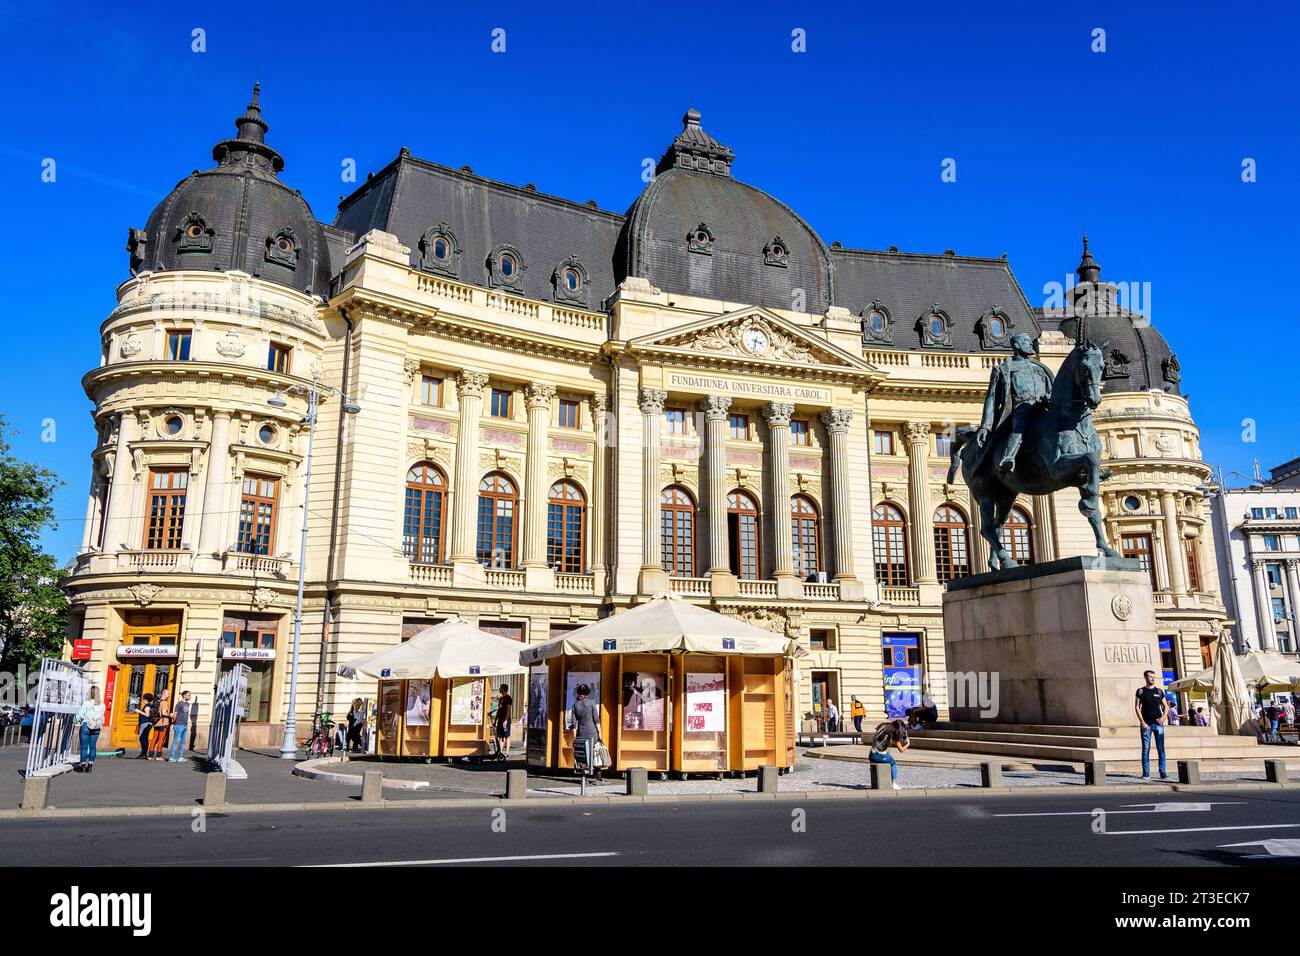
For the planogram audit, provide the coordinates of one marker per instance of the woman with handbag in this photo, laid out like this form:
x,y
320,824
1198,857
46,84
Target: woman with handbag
x,y
90,721
586,724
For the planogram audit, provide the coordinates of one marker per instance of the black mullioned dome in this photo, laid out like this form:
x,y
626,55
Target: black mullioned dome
x,y
237,215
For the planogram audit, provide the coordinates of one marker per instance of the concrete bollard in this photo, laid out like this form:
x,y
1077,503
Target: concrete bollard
x,y
990,774
638,782
1275,771
769,779
1094,773
516,784
372,786
36,793
214,789
1189,771
881,778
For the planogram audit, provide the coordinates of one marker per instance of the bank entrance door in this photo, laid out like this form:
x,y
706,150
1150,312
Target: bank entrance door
x,y
901,660
147,665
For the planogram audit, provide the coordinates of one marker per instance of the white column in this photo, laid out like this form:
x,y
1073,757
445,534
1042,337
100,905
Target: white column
x,y
1293,602
979,548
1175,557
599,492
918,491
838,422
469,388
92,508
653,577
117,523
1044,533
1263,607
716,409
778,416
538,397
216,479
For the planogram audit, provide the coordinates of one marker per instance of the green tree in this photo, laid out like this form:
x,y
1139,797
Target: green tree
x,y
33,610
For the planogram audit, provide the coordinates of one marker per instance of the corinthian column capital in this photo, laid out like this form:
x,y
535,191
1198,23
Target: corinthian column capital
x,y
778,414
652,401
917,432
539,395
470,383
837,420
716,407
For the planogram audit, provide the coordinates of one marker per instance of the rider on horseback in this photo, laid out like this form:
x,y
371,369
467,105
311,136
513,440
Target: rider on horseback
x,y
1015,386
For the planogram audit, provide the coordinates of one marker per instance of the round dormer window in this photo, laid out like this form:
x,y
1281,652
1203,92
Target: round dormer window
x,y
173,425
284,245
441,248
997,328
194,231
267,434
508,264
702,237
936,326
572,281
1133,503
877,321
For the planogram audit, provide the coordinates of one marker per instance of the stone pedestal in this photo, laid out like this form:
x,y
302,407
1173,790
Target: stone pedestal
x,y
1068,641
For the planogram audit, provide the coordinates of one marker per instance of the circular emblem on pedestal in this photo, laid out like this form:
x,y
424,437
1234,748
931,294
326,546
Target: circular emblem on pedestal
x,y
1121,605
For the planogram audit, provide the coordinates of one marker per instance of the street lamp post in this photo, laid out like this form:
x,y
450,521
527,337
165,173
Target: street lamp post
x,y
313,393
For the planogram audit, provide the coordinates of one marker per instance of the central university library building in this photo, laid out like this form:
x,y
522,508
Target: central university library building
x,y
565,410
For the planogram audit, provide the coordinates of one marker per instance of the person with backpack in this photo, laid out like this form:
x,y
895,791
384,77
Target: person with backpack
x,y
893,734
857,712
1272,722
145,717
90,721
162,725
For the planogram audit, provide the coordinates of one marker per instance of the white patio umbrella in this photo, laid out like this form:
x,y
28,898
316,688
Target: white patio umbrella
x,y
665,623
1232,708
450,649
1261,671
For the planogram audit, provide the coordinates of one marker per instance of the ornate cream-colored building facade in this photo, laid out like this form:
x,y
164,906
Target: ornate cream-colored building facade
x,y
697,396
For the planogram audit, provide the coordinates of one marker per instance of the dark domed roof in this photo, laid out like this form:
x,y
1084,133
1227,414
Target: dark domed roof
x,y
697,231
237,215
1137,356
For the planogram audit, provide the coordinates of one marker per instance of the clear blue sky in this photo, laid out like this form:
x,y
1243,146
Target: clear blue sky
x,y
1143,144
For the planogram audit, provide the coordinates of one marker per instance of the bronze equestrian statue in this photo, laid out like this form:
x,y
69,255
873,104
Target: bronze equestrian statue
x,y
1036,437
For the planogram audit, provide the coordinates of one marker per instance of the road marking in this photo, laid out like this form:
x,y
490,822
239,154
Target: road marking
x,y
1254,826
1181,807
466,859
1188,807
1271,848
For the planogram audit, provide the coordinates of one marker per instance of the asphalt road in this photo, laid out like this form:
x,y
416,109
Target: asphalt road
x,y
1246,828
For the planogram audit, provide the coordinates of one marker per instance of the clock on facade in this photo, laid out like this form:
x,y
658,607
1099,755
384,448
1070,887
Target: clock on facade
x,y
754,340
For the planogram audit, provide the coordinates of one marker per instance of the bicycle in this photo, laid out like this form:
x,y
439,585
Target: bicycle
x,y
322,736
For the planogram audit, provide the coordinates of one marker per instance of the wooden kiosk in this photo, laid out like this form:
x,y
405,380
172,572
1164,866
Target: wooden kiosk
x,y
436,689
680,688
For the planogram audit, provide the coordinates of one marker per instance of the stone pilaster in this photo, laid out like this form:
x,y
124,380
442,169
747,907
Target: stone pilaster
x,y
1263,608
716,419
653,577
539,398
778,416
216,481
918,490
599,492
837,422
470,385
117,523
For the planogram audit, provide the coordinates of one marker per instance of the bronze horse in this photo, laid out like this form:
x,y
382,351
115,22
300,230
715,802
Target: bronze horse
x,y
1060,450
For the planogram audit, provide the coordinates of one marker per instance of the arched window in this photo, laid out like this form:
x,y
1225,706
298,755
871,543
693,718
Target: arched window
x,y
889,540
806,528
1016,537
498,504
951,543
677,531
742,535
426,494
565,525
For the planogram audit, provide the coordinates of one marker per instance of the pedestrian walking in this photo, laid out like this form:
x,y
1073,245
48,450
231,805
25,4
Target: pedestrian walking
x,y
161,728
857,712
90,721
145,716
1288,707
1151,707
1200,718
501,726
180,729
586,724
892,733
1272,722
832,717
356,725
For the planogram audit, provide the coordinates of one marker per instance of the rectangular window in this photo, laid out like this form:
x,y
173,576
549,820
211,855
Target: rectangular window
x,y
883,443
431,390
1139,546
943,444
676,420
166,517
800,434
501,403
257,515
1270,513
1279,610
1290,514
1257,513
277,358
178,346
1271,542
568,413
739,425
1273,572
1193,567
821,639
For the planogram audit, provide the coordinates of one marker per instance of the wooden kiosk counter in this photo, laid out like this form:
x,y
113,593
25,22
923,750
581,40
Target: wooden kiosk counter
x,y
680,688
436,688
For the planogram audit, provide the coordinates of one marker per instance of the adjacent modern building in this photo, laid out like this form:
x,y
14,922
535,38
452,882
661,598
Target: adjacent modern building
x,y
1258,553
565,410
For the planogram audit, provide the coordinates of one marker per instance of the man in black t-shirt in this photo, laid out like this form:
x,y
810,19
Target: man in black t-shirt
x,y
1151,707
501,731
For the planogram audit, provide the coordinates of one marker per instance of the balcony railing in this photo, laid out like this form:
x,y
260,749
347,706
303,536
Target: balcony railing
x,y
816,591
909,597
256,563
435,574
575,583
763,589
695,587
504,580
148,561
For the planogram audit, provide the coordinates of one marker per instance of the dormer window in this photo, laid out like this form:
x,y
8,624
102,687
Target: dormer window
x,y
282,248
935,328
570,282
194,235
440,252
877,325
506,268
775,253
700,239
994,329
